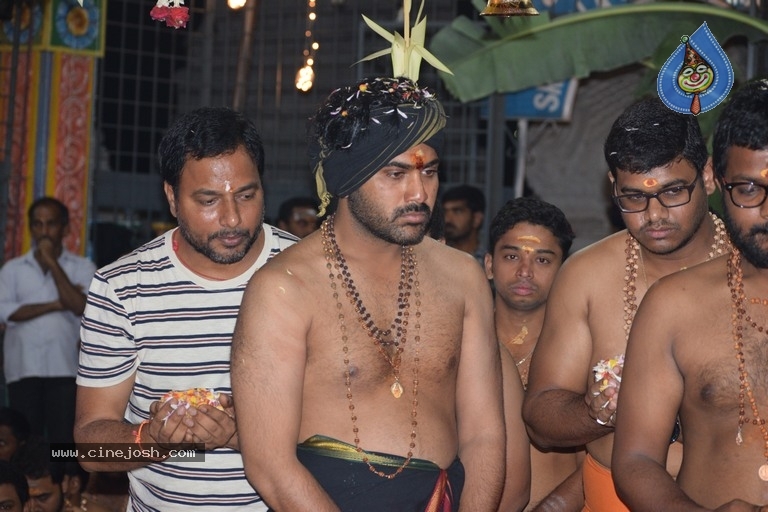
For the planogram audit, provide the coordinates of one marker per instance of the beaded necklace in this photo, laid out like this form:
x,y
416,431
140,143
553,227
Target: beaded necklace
x,y
399,323
739,315
409,280
720,245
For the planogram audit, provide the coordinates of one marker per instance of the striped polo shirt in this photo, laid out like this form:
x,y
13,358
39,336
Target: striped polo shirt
x,y
148,315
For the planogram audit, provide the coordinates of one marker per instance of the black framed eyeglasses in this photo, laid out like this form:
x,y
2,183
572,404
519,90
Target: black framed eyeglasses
x,y
746,194
669,197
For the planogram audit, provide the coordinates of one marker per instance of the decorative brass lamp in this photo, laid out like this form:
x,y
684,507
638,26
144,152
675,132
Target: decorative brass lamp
x,y
509,8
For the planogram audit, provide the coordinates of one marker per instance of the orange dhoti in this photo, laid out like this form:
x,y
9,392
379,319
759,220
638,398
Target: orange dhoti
x,y
599,492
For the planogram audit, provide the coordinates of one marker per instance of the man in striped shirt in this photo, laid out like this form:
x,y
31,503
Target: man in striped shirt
x,y
161,318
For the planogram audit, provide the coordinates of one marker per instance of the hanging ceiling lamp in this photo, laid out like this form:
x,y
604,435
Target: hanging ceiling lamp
x,y
509,8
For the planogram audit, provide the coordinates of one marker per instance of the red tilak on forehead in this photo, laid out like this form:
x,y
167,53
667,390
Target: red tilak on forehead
x,y
418,160
650,182
764,173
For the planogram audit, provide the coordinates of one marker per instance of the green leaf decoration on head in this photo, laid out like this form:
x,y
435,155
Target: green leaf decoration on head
x,y
408,49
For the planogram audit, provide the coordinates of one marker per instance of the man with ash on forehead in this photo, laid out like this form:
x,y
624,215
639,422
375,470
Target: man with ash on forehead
x,y
369,345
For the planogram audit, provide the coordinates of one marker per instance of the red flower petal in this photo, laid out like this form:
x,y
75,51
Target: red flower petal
x,y
160,13
178,17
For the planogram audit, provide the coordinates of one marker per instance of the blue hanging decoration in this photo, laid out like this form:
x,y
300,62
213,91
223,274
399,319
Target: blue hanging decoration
x,y
697,76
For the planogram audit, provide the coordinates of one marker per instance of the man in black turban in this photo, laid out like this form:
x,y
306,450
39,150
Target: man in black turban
x,y
359,128
364,361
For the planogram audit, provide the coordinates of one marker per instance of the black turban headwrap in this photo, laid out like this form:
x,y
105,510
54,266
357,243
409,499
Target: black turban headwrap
x,y
391,130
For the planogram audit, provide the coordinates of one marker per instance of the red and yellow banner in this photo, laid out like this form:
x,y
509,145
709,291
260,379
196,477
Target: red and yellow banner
x,y
51,137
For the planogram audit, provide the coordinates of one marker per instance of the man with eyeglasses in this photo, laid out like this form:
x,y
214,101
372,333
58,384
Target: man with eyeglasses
x,y
661,176
698,346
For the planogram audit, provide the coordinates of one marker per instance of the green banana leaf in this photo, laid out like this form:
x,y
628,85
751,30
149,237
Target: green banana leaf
x,y
516,54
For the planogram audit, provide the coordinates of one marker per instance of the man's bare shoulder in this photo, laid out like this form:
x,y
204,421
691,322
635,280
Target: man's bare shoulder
x,y
452,263
606,256
699,280
299,265
604,250
445,252
689,309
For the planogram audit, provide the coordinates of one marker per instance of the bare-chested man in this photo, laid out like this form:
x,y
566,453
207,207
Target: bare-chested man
x,y
698,349
370,346
660,175
529,241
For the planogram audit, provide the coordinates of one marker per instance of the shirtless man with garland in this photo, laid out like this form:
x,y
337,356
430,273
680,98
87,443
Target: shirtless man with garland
x,y
370,346
698,349
529,240
661,176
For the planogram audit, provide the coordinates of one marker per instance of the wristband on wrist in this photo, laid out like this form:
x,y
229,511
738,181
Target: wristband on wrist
x,y
155,453
137,433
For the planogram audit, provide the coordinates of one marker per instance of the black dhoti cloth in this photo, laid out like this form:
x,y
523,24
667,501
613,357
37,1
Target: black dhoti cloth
x,y
421,486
